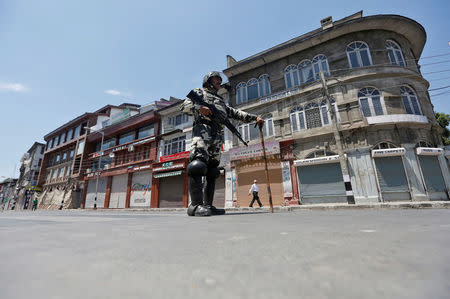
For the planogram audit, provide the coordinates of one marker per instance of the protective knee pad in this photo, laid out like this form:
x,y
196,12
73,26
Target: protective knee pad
x,y
197,167
213,173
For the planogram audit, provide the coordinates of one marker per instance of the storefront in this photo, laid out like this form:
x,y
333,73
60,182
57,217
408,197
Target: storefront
x,y
432,172
249,165
390,171
118,195
141,184
170,184
320,180
91,193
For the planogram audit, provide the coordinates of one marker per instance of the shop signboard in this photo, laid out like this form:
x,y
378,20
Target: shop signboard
x,y
174,156
429,151
320,160
254,150
389,152
286,176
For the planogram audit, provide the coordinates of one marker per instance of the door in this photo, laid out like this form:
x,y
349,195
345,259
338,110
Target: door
x,y
101,191
321,183
118,191
392,178
171,192
432,176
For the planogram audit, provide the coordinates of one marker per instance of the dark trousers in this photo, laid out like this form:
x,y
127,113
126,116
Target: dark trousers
x,y
255,197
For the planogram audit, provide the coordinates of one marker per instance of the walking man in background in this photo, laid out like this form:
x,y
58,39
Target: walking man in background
x,y
254,189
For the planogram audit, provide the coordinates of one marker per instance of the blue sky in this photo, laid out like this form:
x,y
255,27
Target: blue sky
x,y
59,59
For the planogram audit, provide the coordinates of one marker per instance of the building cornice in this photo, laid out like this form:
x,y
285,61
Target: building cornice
x,y
406,27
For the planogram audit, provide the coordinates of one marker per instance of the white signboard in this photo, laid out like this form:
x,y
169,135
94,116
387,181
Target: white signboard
x,y
321,160
254,150
429,151
286,175
389,152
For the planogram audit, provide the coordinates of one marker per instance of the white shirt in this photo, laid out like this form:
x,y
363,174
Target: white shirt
x,y
253,188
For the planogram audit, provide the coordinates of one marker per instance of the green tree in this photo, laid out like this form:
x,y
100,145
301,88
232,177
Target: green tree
x,y
444,120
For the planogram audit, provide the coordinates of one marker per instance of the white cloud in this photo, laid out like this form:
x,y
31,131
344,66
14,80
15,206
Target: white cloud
x,y
16,87
113,92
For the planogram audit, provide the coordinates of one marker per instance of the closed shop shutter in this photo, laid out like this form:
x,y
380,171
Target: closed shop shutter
x,y
118,191
171,192
392,178
250,170
219,193
90,194
432,175
321,183
141,185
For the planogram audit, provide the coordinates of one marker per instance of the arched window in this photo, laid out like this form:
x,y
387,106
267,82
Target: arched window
x,y
297,116
306,71
410,101
320,64
241,93
251,132
384,145
370,102
252,89
291,76
395,53
325,115
358,55
264,85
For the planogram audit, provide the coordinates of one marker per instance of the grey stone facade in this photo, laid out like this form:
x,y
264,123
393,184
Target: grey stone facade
x,y
390,124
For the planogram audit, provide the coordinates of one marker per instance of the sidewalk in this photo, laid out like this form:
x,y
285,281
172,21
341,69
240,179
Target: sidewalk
x,y
324,206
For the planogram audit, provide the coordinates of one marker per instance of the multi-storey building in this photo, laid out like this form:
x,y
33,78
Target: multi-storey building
x,y
389,138
29,173
64,157
119,169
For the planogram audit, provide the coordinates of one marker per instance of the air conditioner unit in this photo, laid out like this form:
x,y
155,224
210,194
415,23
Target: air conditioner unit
x,y
88,170
131,148
107,166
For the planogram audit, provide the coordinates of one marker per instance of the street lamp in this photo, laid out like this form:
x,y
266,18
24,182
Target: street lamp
x,y
99,163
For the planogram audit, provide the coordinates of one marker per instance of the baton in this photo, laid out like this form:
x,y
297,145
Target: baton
x,y
265,163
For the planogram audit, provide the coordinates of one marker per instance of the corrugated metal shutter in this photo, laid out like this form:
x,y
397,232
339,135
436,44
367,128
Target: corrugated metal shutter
x,y
321,183
90,195
392,178
141,185
171,192
432,175
118,191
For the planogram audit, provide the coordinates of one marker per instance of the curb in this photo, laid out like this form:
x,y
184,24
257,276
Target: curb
x,y
339,206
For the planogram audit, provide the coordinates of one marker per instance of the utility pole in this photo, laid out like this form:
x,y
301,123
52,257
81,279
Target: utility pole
x,y
337,137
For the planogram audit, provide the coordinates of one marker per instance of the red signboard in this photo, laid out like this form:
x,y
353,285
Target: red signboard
x,y
174,156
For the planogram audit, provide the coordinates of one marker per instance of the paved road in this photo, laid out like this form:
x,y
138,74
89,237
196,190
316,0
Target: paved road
x,y
402,253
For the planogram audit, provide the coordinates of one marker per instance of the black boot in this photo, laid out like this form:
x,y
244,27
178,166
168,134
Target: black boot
x,y
196,207
209,192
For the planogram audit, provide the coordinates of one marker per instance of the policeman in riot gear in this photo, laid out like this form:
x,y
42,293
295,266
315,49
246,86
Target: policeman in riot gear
x,y
206,106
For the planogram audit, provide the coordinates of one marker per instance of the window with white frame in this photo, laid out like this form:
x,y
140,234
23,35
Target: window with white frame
x,y
241,93
175,145
264,85
358,55
410,101
291,76
252,89
395,53
320,64
178,119
311,116
251,132
306,71
370,102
